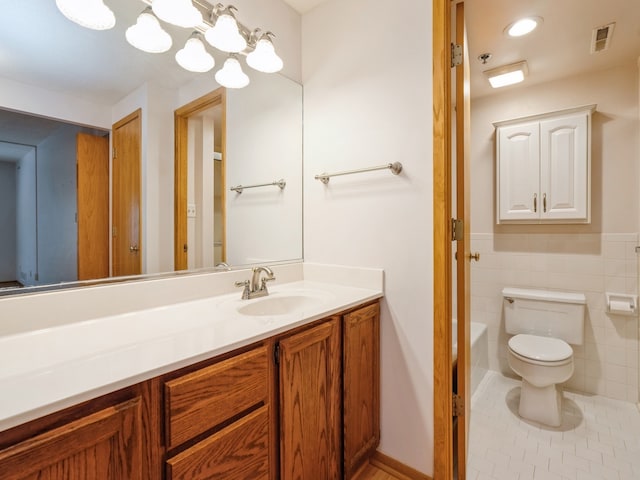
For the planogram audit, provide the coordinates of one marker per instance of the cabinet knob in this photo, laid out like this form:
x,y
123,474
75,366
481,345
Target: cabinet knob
x,y
535,203
475,256
544,202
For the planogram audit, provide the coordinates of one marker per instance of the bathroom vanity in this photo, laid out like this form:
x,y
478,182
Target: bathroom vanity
x,y
296,401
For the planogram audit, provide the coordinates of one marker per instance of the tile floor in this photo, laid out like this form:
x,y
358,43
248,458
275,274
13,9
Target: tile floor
x,y
599,438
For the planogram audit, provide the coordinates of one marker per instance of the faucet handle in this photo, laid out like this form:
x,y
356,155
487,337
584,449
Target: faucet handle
x,y
263,283
246,291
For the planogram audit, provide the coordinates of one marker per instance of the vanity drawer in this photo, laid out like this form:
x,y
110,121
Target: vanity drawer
x,y
239,451
203,399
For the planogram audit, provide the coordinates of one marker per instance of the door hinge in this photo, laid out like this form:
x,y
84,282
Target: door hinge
x,y
114,232
457,230
276,353
458,406
456,55
115,153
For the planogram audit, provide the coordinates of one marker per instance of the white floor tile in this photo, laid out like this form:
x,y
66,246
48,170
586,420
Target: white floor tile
x,y
599,437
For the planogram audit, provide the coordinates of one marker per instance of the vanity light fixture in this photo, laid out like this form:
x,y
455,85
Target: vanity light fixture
x,y
225,33
181,13
93,14
147,34
523,26
507,74
216,22
231,74
264,57
193,57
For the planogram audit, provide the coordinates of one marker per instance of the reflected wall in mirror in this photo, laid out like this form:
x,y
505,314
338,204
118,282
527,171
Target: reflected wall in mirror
x,y
92,79
257,136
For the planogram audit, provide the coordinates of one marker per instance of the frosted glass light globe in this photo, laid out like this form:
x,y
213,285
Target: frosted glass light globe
x,y
225,36
177,12
231,74
93,14
264,57
147,34
194,57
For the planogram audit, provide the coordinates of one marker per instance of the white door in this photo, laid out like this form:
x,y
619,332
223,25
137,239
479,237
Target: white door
x,y
564,171
518,172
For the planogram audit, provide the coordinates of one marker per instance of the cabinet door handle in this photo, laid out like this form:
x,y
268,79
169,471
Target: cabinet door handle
x,y
535,203
544,202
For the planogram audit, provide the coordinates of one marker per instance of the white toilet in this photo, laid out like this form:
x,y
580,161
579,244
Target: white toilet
x,y
543,323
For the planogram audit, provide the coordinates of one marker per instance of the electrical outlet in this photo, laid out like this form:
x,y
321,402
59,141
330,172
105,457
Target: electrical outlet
x,y
191,210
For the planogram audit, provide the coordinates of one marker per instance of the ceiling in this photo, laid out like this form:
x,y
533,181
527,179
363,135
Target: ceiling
x,y
558,48
91,64
304,6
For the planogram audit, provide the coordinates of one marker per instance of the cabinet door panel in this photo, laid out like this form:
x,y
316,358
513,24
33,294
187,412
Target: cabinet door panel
x,y
105,445
518,172
361,374
310,403
564,171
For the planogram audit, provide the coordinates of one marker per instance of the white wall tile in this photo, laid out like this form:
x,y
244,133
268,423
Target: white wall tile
x,y
608,362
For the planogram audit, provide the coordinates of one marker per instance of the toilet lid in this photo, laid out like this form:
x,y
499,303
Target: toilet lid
x,y
545,349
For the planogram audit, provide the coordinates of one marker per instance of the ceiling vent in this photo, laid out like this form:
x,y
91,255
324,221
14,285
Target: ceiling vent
x,y
601,37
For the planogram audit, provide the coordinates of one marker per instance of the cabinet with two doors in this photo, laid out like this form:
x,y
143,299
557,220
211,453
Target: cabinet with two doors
x,y
543,168
300,405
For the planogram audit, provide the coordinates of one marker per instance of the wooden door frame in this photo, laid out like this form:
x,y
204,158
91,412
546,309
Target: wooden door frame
x,y
181,118
442,262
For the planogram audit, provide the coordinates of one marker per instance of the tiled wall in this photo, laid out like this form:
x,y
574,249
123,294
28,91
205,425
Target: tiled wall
x,y
607,363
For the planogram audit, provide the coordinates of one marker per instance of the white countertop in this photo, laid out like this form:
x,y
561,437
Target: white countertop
x,y
48,369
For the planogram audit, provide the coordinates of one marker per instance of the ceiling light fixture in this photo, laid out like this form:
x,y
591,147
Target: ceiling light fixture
x,y
147,34
231,74
217,23
523,26
264,57
507,74
225,34
193,57
93,14
181,13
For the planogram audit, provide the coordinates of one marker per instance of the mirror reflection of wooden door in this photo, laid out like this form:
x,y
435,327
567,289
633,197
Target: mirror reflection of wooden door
x,y
463,256
92,171
126,247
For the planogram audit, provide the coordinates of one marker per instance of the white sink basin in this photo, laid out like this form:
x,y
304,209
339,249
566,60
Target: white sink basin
x,y
282,303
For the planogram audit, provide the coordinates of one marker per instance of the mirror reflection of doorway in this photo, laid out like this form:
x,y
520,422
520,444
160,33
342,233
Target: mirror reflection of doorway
x,y
204,192
199,182
44,215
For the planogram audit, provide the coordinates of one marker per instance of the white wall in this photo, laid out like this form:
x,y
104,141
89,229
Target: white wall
x,y
26,219
592,259
57,207
264,224
8,221
52,104
367,74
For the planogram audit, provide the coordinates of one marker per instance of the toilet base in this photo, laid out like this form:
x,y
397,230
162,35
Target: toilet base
x,y
541,404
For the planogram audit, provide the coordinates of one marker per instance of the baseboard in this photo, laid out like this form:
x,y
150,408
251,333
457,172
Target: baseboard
x,y
396,468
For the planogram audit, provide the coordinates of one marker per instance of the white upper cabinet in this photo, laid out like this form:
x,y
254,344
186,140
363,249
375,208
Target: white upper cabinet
x,y
543,168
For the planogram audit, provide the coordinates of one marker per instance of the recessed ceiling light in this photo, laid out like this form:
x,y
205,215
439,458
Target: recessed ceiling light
x,y
523,26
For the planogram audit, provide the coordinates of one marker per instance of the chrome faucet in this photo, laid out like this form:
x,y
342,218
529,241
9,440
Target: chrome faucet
x,y
257,286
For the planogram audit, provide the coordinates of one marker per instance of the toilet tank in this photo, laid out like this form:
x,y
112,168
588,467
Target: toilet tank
x,y
545,313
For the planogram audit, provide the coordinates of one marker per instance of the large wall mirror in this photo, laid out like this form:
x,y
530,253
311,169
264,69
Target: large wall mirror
x,y
59,82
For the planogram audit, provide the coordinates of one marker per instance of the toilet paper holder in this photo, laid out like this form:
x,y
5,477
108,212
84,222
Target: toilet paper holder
x,y
621,303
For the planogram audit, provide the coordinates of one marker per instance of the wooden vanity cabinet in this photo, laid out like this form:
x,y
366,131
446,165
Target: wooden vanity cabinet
x,y
111,438
301,405
361,390
310,420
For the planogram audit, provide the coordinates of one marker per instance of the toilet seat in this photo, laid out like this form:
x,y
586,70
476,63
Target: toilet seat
x,y
540,350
